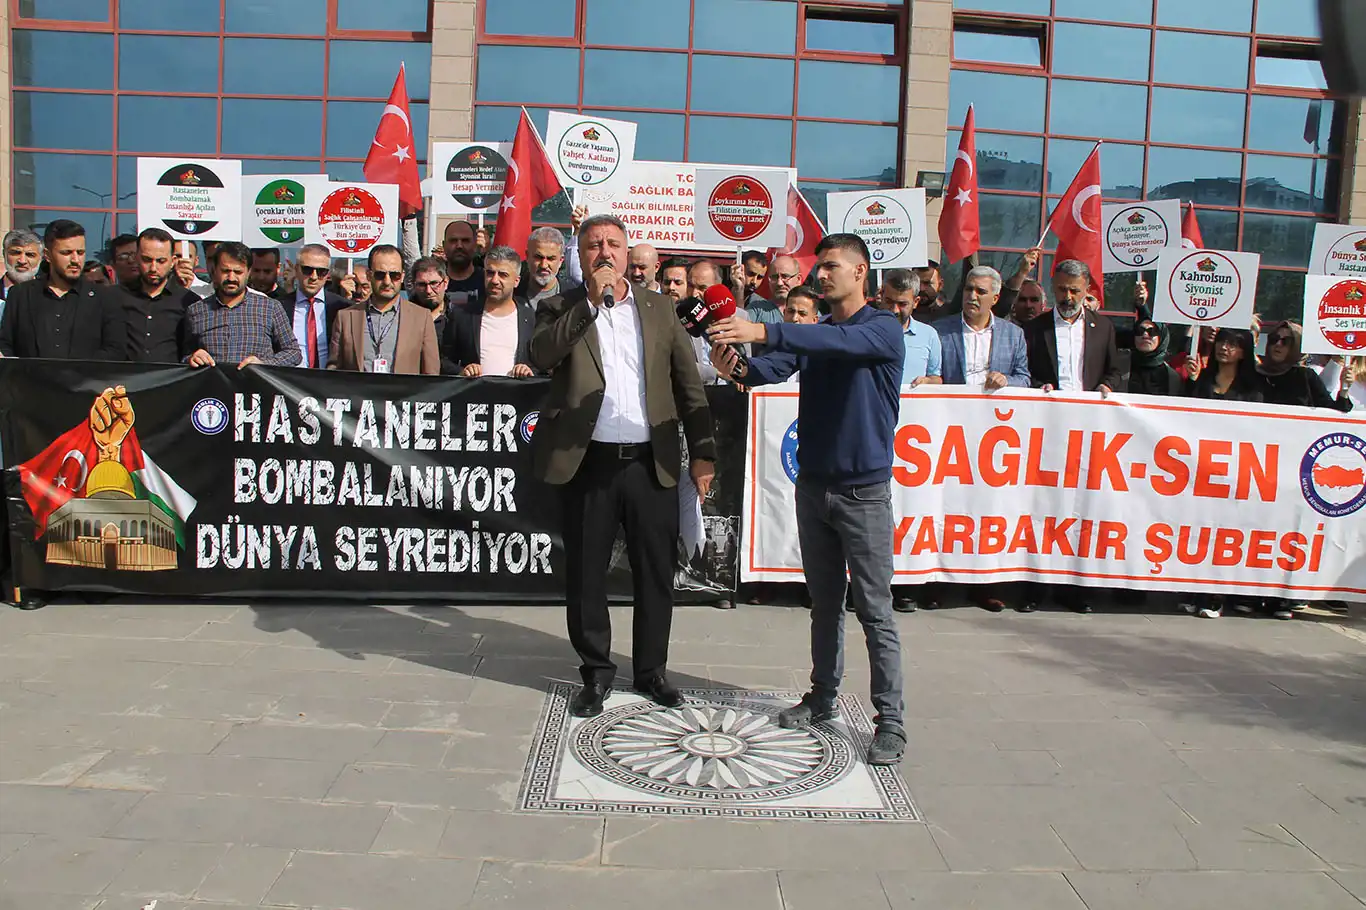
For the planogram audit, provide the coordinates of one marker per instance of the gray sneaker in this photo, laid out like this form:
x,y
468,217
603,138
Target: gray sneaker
x,y
888,747
812,709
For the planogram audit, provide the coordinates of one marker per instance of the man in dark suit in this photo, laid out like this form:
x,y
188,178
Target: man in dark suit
x,y
1071,348
623,379
59,314
313,323
491,336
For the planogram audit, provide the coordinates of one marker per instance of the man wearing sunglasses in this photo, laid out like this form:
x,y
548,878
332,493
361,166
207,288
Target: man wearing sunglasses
x,y
311,308
385,334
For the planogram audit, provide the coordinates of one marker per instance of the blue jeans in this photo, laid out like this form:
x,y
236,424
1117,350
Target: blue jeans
x,y
851,527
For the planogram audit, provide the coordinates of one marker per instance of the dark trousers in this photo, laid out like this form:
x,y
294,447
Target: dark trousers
x,y
610,493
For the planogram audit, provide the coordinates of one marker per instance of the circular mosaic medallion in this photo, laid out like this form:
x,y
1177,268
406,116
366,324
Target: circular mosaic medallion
x,y
709,751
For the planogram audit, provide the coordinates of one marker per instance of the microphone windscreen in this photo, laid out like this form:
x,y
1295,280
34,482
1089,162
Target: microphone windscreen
x,y
720,301
694,315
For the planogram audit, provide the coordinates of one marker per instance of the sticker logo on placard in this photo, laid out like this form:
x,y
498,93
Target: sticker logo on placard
x,y
1205,286
740,208
351,220
1333,475
190,195
1342,315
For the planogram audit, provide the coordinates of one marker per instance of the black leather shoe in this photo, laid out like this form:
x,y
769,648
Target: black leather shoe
x,y
1029,607
588,703
659,690
992,604
1081,607
31,602
905,605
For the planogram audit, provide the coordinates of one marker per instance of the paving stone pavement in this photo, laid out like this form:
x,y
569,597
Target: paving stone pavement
x,y
228,756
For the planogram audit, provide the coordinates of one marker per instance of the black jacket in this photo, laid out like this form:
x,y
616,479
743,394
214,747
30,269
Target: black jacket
x,y
460,341
1156,380
332,305
1301,386
99,330
1100,356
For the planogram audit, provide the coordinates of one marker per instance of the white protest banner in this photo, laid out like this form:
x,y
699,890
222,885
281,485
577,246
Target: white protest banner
x,y
275,207
741,205
468,177
1334,315
1136,233
350,218
1206,287
1131,491
1339,249
589,151
194,199
891,222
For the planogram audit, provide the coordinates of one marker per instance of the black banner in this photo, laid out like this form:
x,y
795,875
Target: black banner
x,y
288,482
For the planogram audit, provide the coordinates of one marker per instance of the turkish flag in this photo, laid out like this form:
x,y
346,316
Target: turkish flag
x,y
530,181
1190,231
58,473
804,232
1076,219
391,158
960,231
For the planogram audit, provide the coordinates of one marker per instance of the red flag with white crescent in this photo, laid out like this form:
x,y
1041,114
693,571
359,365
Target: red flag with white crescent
x,y
1076,221
1190,231
960,231
530,181
392,158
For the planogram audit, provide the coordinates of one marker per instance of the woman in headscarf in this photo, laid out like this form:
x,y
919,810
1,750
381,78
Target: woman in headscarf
x,y
1149,372
1287,381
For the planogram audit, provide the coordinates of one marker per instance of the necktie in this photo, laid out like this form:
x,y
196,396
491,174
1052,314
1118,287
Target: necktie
x,y
312,328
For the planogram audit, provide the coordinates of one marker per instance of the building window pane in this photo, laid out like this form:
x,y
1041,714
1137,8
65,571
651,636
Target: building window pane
x,y
850,36
745,26
64,10
1186,117
389,16
1281,125
1211,15
1103,110
1012,221
1014,48
263,17
1291,72
346,171
768,85
1121,167
351,128
1125,55
1281,239
63,59
539,18
143,126
655,81
160,63
96,224
1219,61
1135,12
1274,182
273,66
842,151
62,121
1002,102
1218,229
1004,162
252,127
49,179
659,137
1025,7
850,91
528,75
630,23
127,181
275,166
1205,178
499,124
740,140
367,69
170,15
1293,18
1280,296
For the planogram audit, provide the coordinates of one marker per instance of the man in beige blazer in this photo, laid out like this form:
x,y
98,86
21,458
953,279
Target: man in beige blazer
x,y
623,378
385,334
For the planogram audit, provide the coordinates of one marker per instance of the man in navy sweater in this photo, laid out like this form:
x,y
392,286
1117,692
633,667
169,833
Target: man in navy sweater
x,y
851,365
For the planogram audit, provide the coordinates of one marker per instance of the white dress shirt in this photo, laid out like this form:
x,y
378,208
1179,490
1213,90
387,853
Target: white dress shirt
x,y
319,304
1071,339
623,417
977,353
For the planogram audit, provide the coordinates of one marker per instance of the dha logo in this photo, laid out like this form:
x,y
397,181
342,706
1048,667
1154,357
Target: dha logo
x,y
1333,475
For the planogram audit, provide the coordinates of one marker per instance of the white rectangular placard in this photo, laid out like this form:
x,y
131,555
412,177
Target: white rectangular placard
x,y
891,222
468,177
352,218
1137,233
193,198
741,206
589,152
275,207
1334,315
1206,287
1339,249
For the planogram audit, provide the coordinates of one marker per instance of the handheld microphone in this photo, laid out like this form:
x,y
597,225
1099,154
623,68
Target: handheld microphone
x,y
693,313
608,300
721,302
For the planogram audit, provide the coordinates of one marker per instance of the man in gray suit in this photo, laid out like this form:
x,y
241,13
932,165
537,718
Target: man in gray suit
x,y
979,349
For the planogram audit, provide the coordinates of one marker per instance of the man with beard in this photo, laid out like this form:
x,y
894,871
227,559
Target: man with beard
x,y
642,265
932,306
60,315
123,254
544,256
385,335
265,271
311,308
237,325
23,252
746,281
156,310
491,336
460,247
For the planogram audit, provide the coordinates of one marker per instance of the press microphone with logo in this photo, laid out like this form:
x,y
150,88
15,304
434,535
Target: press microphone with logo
x,y
693,313
721,303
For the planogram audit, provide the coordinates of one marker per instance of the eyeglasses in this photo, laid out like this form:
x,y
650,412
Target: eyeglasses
x,y
1148,331
315,270
126,257
1278,339
377,275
